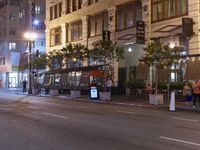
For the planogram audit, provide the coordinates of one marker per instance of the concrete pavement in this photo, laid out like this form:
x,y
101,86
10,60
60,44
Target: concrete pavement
x,y
116,100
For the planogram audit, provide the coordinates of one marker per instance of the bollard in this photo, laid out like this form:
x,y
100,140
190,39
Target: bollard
x,y
172,102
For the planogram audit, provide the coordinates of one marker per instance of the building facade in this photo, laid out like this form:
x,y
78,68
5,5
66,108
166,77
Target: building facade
x,y
16,18
72,21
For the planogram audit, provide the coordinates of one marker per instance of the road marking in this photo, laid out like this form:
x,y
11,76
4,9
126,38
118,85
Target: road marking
x,y
183,119
84,107
180,141
54,115
126,112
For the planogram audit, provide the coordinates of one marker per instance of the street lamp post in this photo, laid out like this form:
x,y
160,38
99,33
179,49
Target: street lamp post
x,y
30,37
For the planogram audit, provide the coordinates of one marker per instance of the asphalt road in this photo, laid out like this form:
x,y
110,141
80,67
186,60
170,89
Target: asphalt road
x,y
39,123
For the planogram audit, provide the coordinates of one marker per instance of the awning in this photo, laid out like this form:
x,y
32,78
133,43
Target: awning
x,y
142,71
192,69
96,73
84,69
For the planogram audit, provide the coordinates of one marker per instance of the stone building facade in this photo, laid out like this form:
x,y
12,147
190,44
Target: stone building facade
x,y
72,21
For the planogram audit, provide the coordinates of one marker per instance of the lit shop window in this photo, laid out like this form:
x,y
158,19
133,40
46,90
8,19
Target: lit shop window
x,y
12,46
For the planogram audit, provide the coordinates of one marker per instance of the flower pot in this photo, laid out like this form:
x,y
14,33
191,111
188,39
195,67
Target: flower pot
x,y
54,92
156,99
75,93
105,96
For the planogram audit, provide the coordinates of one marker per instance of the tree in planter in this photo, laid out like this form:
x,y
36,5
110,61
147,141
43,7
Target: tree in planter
x,y
160,56
106,52
54,61
39,63
74,54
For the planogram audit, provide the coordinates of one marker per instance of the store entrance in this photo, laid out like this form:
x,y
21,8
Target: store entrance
x,y
12,82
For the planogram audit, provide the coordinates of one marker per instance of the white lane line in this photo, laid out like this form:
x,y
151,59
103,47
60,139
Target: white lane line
x,y
126,112
180,141
84,107
183,119
54,115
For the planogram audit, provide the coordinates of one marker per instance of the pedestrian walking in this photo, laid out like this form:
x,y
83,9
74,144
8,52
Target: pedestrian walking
x,y
196,92
109,85
24,86
148,90
187,93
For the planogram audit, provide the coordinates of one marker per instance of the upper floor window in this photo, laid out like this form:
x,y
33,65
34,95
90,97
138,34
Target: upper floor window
x,y
68,6
76,4
98,23
51,13
39,10
13,16
55,11
12,31
2,61
12,46
92,1
128,14
55,36
165,9
76,31
20,15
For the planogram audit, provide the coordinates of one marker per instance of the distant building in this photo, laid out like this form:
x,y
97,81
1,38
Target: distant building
x,y
72,21
16,18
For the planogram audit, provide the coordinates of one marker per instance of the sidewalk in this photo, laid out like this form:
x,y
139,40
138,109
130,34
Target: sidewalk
x,y
116,100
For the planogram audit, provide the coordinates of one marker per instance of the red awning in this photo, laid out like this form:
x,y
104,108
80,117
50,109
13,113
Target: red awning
x,y
97,73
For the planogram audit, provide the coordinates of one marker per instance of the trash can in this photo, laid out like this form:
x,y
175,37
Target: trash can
x,y
94,93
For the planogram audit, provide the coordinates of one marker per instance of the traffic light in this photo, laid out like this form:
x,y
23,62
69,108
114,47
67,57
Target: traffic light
x,y
37,53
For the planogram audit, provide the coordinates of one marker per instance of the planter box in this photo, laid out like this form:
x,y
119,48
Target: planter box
x,y
35,91
128,91
156,99
54,92
105,96
75,93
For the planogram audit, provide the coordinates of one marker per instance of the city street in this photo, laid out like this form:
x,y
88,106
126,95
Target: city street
x,y
45,123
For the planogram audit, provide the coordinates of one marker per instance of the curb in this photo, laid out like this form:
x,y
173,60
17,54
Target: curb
x,y
178,108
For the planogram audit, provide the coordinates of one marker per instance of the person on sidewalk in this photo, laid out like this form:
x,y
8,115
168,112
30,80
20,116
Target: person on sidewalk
x,y
196,92
148,89
109,85
187,93
24,86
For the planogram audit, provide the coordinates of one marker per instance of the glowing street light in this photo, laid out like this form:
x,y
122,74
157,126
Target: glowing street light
x,y
30,37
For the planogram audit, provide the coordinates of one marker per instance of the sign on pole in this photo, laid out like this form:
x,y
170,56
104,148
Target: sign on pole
x,y
140,32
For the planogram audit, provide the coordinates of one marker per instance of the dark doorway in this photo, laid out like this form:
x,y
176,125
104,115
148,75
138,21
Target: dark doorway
x,y
121,81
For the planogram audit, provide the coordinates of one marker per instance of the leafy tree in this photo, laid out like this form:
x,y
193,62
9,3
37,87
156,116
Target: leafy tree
x,y
106,52
160,56
76,54
55,59
39,62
